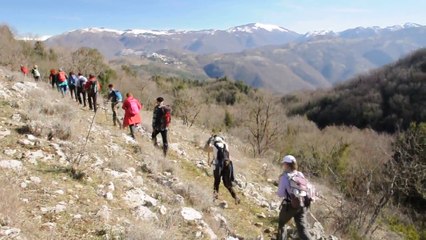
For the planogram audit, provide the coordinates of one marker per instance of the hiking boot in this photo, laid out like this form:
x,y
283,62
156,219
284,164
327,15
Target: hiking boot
x,y
237,201
215,196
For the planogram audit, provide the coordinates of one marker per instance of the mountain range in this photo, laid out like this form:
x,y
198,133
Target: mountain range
x,y
261,55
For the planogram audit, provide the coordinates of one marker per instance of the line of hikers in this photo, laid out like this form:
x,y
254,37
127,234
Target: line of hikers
x,y
125,112
295,190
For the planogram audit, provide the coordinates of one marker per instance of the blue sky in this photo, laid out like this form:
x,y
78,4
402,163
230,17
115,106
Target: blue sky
x,y
48,17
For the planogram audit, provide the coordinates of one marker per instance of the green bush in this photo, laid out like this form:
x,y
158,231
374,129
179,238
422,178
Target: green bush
x,y
407,230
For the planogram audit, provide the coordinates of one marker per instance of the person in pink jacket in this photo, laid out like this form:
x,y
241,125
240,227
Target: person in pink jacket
x,y
132,118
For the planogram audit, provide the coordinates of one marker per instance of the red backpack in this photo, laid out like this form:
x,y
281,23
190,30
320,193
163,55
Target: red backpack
x,y
134,108
61,76
167,115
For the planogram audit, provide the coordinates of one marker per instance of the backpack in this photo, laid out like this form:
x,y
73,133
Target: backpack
x,y
35,72
134,108
118,96
82,81
167,115
72,80
222,154
61,76
302,192
93,87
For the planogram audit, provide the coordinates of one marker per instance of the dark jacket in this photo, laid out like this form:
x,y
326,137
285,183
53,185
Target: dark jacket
x,y
158,118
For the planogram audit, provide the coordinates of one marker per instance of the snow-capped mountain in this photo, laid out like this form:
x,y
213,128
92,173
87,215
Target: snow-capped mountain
x,y
375,31
234,39
262,55
253,27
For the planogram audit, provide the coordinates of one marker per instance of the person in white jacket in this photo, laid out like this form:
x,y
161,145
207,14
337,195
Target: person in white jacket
x,y
81,81
223,167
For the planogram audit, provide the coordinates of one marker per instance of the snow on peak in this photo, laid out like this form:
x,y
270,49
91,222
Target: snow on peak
x,y
149,32
101,29
319,33
249,28
406,25
412,25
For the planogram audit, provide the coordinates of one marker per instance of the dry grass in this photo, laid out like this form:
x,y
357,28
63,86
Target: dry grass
x,y
13,211
49,117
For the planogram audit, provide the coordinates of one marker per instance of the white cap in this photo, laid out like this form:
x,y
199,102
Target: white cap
x,y
288,159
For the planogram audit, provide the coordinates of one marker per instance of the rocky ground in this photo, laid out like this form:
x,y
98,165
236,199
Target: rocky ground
x,y
55,186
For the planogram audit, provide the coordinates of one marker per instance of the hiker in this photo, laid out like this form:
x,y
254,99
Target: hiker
x,y
288,210
160,123
53,77
72,81
92,88
62,82
223,167
36,73
81,92
131,107
24,70
116,105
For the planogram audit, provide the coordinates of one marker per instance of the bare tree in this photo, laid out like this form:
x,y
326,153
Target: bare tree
x,y
88,60
263,125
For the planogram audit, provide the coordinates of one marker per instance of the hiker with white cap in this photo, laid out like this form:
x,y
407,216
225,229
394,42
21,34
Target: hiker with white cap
x,y
297,193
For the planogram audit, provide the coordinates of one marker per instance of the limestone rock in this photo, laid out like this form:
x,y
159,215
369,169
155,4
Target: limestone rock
x,y
11,164
35,180
26,142
223,205
104,213
137,197
111,187
207,229
4,133
10,152
60,207
144,213
23,185
163,210
190,214
9,232
59,192
109,196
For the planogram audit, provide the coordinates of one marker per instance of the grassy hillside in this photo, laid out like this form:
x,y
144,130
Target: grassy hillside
x,y
46,134
388,99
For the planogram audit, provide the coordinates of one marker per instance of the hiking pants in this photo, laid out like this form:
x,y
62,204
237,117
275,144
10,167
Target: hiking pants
x,y
92,101
226,177
73,92
63,89
81,93
299,214
117,115
132,130
163,136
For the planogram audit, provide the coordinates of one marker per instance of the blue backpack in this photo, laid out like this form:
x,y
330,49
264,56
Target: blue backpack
x,y
118,96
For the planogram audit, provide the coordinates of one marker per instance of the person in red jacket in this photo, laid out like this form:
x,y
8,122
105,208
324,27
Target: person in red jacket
x,y
132,118
24,70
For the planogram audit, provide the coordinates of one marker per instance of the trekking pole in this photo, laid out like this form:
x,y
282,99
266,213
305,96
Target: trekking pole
x,y
85,143
312,215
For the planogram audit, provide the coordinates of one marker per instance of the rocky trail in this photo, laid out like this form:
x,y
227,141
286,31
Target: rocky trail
x,y
124,189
